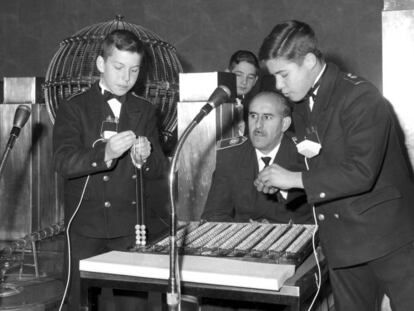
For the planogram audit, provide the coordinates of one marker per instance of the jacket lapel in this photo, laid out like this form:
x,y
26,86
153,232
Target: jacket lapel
x,y
130,115
248,172
301,120
248,162
320,115
283,156
97,108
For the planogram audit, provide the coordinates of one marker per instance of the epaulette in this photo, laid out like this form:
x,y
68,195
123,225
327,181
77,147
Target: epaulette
x,y
230,142
77,93
354,79
141,97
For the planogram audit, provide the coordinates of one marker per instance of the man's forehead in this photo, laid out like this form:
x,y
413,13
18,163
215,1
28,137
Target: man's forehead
x,y
264,105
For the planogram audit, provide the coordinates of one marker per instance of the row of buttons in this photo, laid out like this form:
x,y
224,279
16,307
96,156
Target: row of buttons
x,y
321,217
94,164
108,204
106,177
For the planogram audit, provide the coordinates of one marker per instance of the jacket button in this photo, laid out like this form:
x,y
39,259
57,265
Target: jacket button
x,y
133,202
322,195
321,217
134,176
107,204
147,169
94,164
105,178
336,216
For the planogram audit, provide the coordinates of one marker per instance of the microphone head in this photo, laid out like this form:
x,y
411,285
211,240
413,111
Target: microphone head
x,y
21,116
225,89
221,94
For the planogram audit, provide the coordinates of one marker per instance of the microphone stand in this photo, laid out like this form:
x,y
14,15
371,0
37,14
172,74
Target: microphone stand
x,y
4,157
173,294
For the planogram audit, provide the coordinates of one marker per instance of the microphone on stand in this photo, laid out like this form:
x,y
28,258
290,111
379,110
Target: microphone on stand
x,y
21,116
220,95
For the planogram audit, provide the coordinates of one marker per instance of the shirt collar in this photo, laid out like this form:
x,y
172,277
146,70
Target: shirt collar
x,y
316,84
103,88
271,154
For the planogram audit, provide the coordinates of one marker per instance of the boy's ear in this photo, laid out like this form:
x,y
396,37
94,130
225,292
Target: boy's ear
x,y
310,60
100,63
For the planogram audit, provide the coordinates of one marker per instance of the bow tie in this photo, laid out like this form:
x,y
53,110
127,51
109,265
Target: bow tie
x,y
311,92
108,95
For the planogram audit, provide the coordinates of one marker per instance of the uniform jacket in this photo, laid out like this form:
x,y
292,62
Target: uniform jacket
x,y
233,196
108,206
360,183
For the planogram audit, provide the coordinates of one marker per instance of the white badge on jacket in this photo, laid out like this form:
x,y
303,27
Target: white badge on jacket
x,y
311,145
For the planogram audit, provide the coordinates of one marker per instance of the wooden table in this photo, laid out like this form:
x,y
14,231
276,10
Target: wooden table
x,y
294,292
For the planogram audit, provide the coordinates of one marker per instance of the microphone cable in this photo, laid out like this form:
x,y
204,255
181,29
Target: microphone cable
x,y
68,237
68,242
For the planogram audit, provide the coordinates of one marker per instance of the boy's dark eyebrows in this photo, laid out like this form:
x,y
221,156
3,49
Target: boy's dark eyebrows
x,y
116,62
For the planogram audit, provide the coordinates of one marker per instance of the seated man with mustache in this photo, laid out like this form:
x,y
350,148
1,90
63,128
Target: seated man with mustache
x,y
233,196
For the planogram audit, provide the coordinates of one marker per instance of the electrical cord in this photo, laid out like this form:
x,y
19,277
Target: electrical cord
x,y
315,253
68,237
69,247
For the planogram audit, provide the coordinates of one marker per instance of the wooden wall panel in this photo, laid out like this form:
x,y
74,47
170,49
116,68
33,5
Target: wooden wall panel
x,y
197,160
28,197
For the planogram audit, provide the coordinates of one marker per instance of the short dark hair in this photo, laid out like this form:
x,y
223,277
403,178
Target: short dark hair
x,y
243,56
285,105
291,40
123,40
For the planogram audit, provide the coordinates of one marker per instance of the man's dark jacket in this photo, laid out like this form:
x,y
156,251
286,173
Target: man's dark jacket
x,y
233,196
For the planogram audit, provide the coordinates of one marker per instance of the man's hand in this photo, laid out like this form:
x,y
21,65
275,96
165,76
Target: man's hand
x,y
118,144
274,177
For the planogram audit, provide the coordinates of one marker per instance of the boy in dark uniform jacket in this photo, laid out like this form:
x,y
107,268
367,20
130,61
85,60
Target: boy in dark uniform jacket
x,y
360,181
92,138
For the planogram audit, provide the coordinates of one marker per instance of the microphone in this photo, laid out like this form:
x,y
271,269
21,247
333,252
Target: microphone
x,y
220,95
21,116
